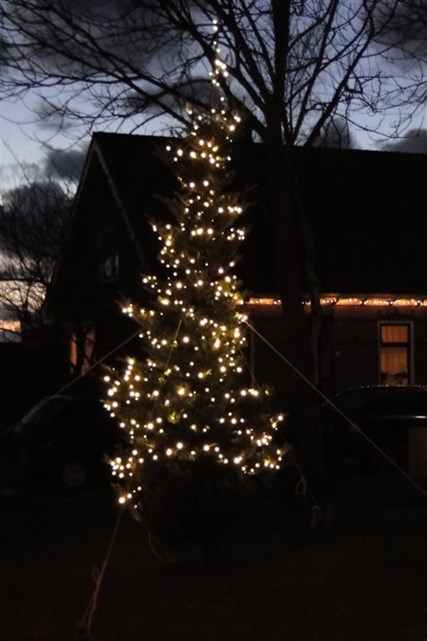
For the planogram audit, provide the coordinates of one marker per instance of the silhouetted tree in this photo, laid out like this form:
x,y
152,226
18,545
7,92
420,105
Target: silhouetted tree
x,y
294,66
194,428
33,223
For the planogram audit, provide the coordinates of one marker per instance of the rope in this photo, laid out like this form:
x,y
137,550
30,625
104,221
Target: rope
x,y
344,416
84,626
99,362
302,487
164,557
80,376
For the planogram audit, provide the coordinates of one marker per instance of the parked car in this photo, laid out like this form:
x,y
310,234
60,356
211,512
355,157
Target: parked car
x,y
384,414
64,438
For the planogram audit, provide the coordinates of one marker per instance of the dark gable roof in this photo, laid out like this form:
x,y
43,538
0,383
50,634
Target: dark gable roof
x,y
366,208
134,164
368,212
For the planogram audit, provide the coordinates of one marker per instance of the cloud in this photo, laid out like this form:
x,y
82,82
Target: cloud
x,y
404,24
56,164
15,173
3,52
336,135
415,141
64,163
103,28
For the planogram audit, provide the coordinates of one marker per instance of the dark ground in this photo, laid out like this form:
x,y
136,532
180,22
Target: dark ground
x,y
362,578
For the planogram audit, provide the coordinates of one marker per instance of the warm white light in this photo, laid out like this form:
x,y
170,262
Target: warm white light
x,y
178,401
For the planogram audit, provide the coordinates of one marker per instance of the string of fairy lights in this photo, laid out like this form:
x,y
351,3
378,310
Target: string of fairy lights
x,y
187,401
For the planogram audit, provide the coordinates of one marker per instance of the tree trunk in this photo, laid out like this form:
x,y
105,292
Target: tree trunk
x,y
290,256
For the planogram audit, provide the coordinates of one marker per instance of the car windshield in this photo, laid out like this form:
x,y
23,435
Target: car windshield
x,y
399,401
351,401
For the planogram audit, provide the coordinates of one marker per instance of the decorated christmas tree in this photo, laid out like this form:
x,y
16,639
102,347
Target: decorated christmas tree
x,y
187,410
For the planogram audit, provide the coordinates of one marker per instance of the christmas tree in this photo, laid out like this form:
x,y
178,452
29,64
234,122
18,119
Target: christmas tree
x,y
186,409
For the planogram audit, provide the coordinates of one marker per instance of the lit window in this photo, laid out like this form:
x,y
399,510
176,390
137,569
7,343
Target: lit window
x,y
82,351
395,350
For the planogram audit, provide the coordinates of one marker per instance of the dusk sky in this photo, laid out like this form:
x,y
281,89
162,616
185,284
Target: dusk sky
x,y
25,140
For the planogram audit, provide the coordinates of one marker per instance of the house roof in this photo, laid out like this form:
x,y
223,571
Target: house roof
x,y
366,210
368,214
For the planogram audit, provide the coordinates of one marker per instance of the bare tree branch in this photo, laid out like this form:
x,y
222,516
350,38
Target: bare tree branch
x,y
293,68
33,224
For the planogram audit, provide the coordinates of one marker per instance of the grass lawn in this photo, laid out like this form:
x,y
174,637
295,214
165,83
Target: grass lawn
x,y
363,578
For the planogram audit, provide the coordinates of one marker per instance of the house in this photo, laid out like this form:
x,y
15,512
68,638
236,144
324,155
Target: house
x,y
366,210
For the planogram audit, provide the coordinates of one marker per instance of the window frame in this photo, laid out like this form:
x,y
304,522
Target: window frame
x,y
409,345
109,267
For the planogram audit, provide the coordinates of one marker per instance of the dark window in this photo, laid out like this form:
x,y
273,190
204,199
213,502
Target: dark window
x,y
109,267
107,252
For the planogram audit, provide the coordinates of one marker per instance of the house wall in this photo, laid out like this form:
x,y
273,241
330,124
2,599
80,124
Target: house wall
x,y
349,347
351,350
119,192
